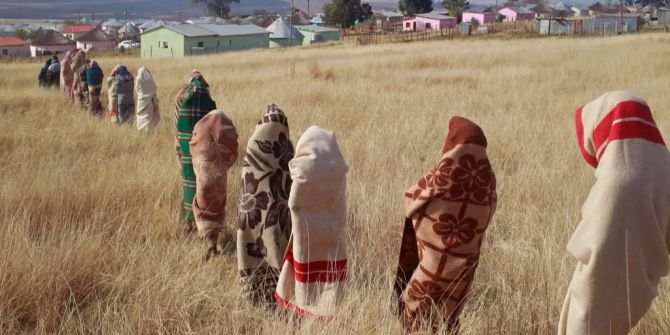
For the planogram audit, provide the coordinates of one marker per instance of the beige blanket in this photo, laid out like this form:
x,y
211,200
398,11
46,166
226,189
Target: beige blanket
x,y
312,278
622,243
147,114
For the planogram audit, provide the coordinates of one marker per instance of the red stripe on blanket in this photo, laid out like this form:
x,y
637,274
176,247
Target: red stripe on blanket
x,y
633,129
605,131
300,310
579,125
319,271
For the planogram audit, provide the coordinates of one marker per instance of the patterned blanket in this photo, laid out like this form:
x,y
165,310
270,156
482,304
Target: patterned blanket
x,y
264,222
447,213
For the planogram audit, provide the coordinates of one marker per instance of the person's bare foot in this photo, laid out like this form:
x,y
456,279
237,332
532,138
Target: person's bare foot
x,y
210,244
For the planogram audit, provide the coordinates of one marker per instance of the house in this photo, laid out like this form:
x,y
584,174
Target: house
x,y
511,14
561,10
318,19
389,21
129,31
663,16
282,34
480,16
317,34
74,32
542,10
96,39
7,30
196,39
11,47
50,42
428,22
111,25
554,26
151,24
580,11
607,24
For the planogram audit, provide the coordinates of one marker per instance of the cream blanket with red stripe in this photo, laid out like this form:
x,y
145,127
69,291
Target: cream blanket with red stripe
x,y
447,213
312,278
623,241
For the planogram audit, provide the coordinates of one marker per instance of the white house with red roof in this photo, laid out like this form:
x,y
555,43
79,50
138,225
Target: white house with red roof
x,y
14,47
76,31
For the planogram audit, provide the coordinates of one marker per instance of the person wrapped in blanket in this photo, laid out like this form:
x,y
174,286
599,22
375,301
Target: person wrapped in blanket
x,y
124,88
80,86
42,77
53,72
94,77
192,104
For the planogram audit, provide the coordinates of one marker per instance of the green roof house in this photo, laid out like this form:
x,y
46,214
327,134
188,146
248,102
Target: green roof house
x,y
317,34
181,40
283,35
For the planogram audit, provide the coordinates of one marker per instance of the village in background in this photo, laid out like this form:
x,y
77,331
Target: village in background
x,y
171,37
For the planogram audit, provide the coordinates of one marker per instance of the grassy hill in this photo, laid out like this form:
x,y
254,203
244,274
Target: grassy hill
x,y
90,236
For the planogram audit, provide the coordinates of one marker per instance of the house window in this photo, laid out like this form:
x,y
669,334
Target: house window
x,y
201,44
230,42
427,25
164,45
407,25
5,52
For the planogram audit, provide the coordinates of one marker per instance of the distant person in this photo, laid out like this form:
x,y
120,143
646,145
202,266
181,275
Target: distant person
x,y
194,102
214,151
264,220
80,86
66,75
42,77
148,112
124,87
112,97
94,76
78,61
446,215
53,72
623,240
312,279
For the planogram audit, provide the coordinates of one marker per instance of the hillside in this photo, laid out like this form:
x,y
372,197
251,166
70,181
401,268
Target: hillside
x,y
89,230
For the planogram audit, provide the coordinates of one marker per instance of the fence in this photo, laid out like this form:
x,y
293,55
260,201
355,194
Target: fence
x,y
366,35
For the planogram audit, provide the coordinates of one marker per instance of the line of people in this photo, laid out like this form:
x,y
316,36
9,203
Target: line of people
x,y
81,81
291,234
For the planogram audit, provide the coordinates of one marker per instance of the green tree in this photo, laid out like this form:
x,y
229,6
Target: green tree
x,y
456,7
346,13
218,8
413,7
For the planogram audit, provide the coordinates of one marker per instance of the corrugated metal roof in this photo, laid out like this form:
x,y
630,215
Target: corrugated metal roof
x,y
190,30
281,29
435,16
234,29
112,23
520,10
388,13
12,41
315,29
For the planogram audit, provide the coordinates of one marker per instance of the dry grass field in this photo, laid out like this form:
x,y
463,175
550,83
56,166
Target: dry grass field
x,y
90,236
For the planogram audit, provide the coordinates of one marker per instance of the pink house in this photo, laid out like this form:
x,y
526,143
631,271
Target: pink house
x,y
14,47
428,22
511,14
481,17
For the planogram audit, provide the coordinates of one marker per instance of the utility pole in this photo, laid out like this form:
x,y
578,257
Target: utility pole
x,y
309,13
621,12
290,26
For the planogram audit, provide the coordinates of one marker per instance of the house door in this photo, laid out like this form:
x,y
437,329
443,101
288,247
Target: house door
x,y
414,26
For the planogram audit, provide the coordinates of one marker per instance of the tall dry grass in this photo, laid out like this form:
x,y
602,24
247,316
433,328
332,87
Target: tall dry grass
x,y
90,236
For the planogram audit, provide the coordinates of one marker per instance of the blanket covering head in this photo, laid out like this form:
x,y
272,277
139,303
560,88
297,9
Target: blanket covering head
x,y
194,102
623,240
214,150
264,222
148,114
312,278
447,213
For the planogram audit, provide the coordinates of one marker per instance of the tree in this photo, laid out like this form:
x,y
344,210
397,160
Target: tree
x,y
346,13
413,7
218,8
456,7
